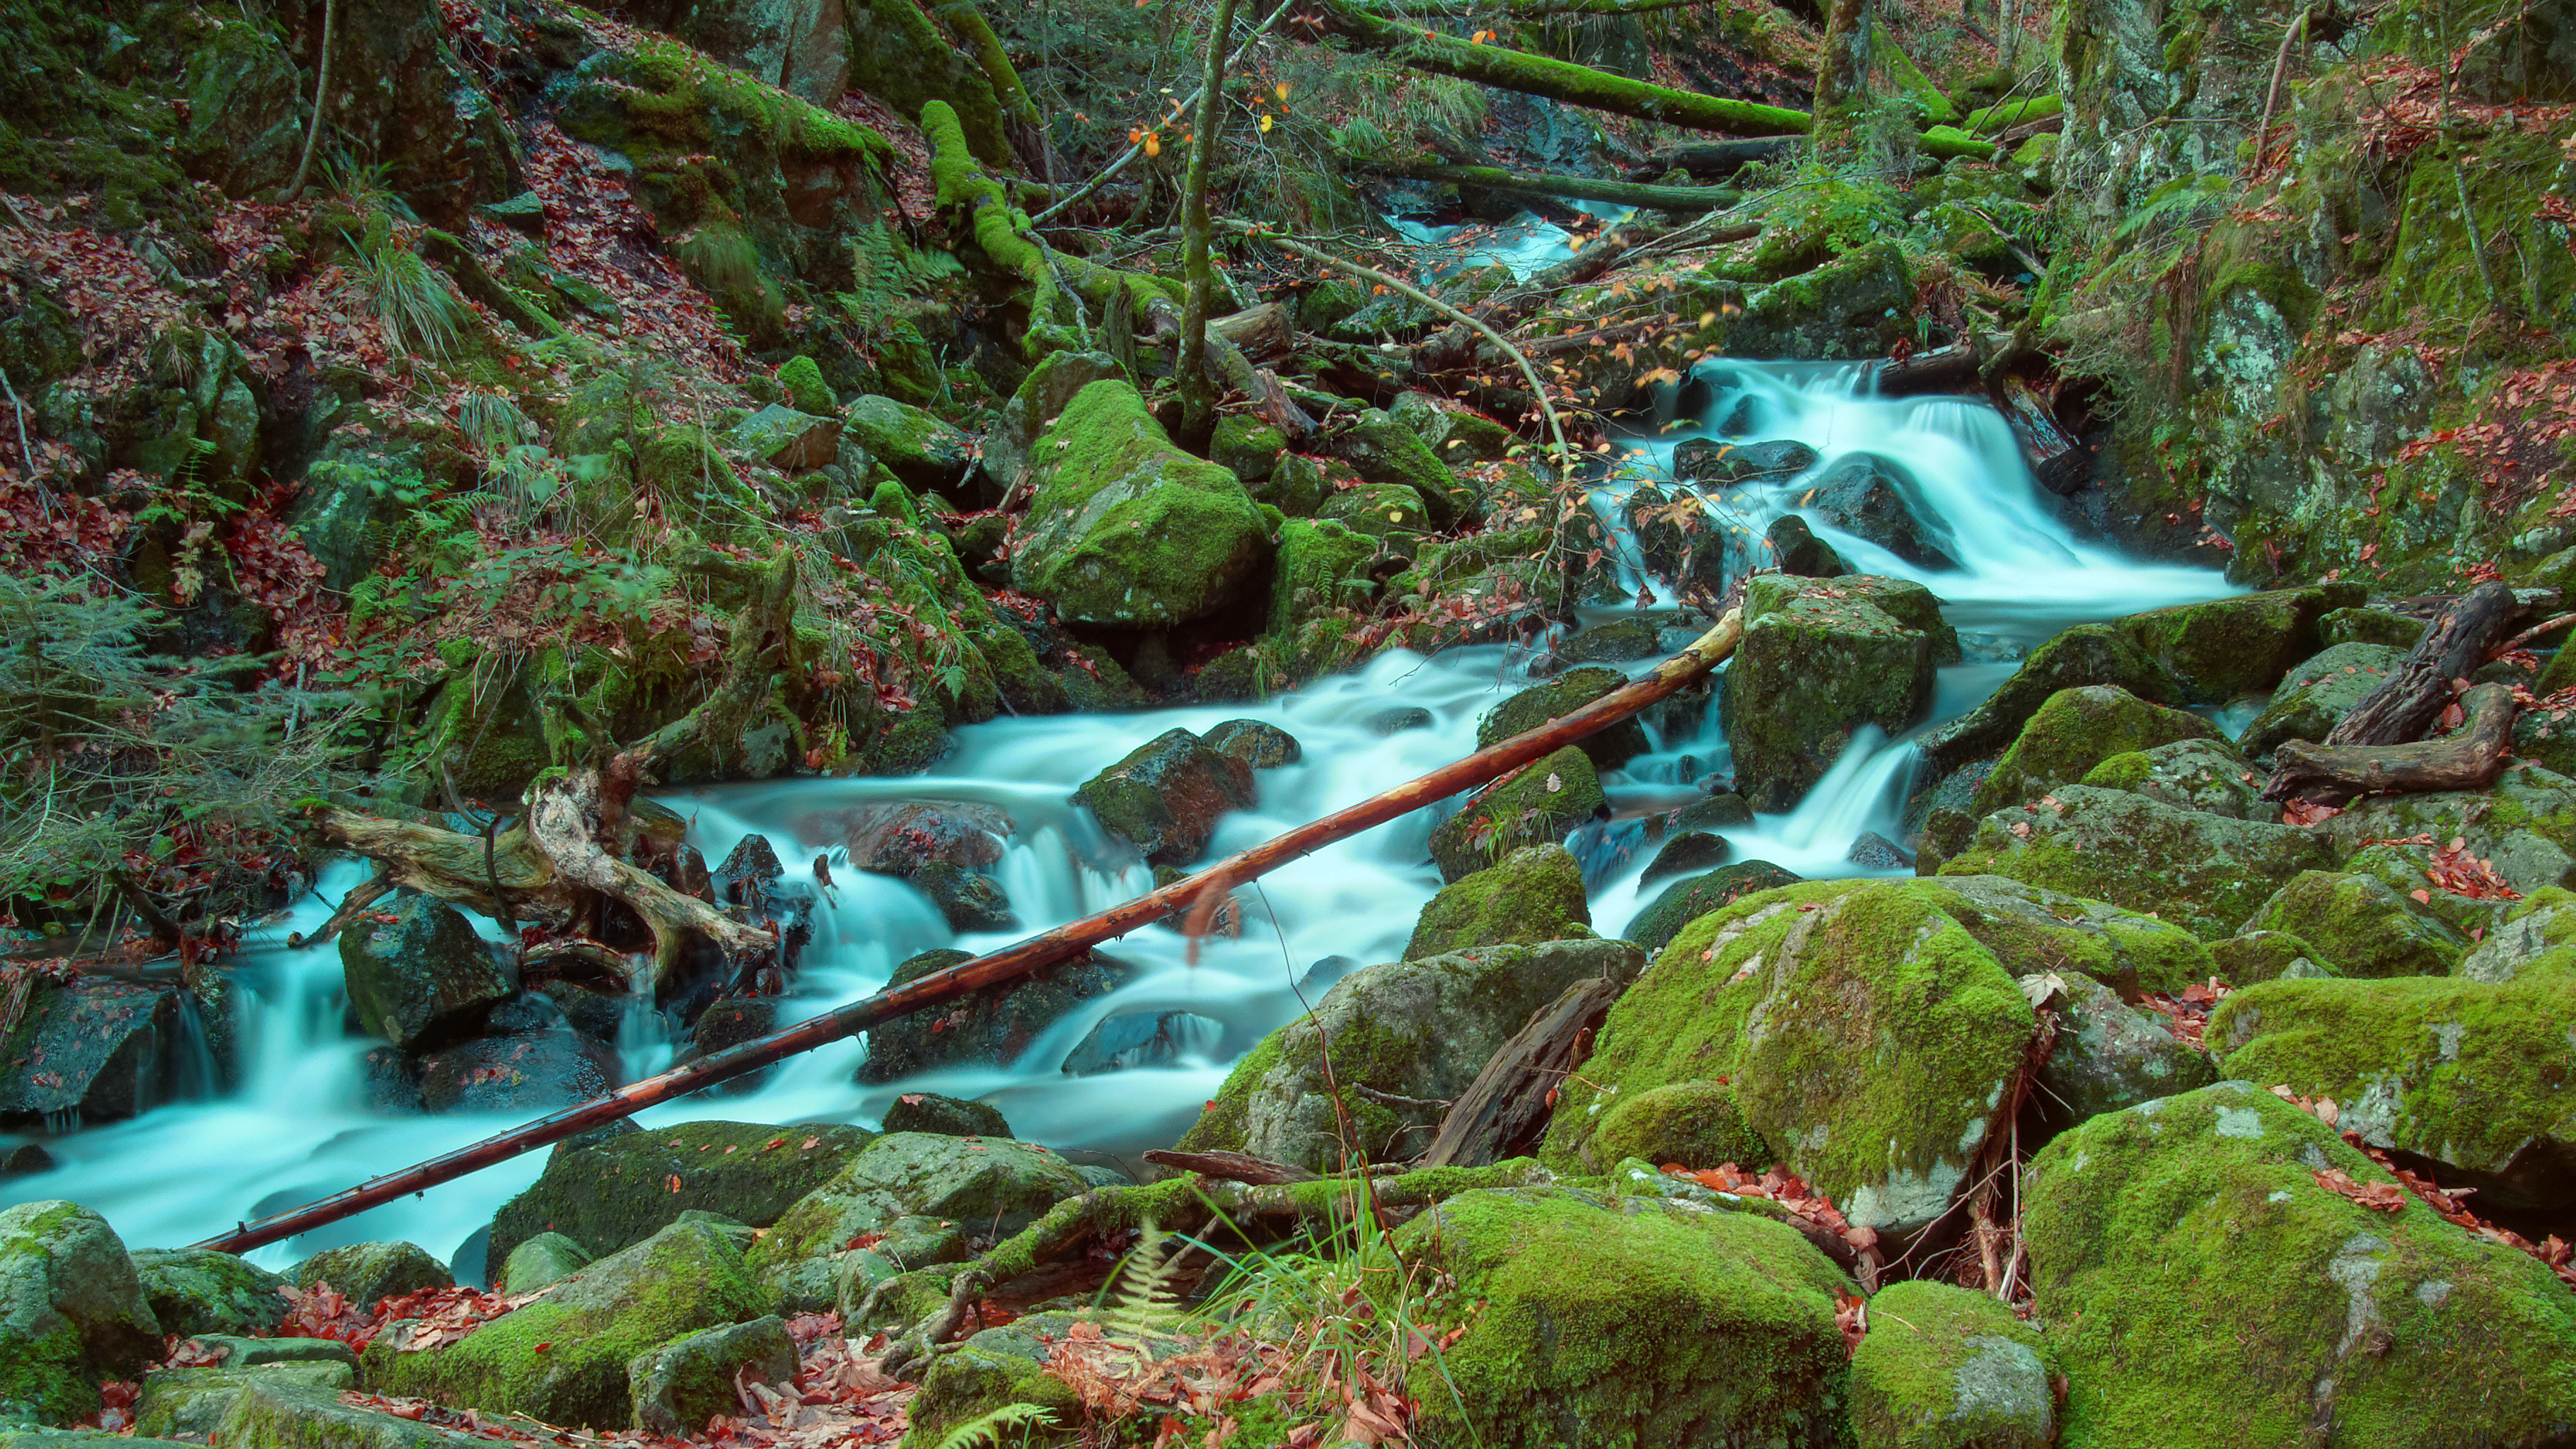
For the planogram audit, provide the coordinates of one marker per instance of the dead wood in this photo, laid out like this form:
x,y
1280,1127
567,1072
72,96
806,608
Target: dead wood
x,y
1503,1112
2419,688
1718,159
2056,459
1230,1166
2466,759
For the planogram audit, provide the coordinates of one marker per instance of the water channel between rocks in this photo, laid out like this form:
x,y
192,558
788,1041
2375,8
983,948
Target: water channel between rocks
x,y
297,1126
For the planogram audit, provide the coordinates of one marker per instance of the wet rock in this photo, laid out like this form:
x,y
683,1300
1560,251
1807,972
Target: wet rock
x,y
685,1279
193,1402
947,1116
100,1048
988,1029
2087,654
72,1312
541,1260
2470,1074
1611,643
613,1194
2076,730
1427,1026
1688,852
729,1021
518,1073
1724,810
1876,499
1873,851
677,1387
967,901
1694,1123
24,1159
1816,664
366,1273
992,1369
1686,901
921,451
898,839
1559,1354
2205,872
1533,894
1125,529
1257,744
1535,807
2358,925
2369,626
2317,693
1795,549
2158,1233
1971,1374
991,1185
1383,450
2193,774
423,975
2241,645
390,1077
2109,1055
1166,796
1662,542
1396,719
1608,749
1130,1039
1708,464
196,1291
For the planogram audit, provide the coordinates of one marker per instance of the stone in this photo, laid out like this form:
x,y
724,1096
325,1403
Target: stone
x,y
367,1273
684,1279
2537,939
1390,513
966,900
1381,449
677,1387
2085,654
1535,807
1166,796
546,1258
788,440
992,1369
423,976
194,1401
535,1072
2207,775
1124,529
1686,901
2109,1055
1539,704
800,46
1873,851
1576,1341
280,1413
1246,447
946,1116
2357,925
988,1029
1795,549
1128,1039
72,1312
2470,1074
2236,646
1453,434
2161,1234
1874,498
1259,745
1708,464
2316,693
1690,852
992,1186
1533,894
2266,956
610,1195
1611,643
2522,827
921,451
2074,731
1415,1029
1395,719
1815,666
100,1048
198,1291
1058,378
2369,626
1946,1368
2204,872
1693,1123
1297,487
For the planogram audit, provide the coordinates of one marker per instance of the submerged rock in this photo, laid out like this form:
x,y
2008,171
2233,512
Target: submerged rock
x,y
1795,549
2205,1288
533,1072
988,1029
946,1116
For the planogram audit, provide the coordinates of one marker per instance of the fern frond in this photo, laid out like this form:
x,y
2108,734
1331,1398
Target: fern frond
x,y
1143,1296
986,1432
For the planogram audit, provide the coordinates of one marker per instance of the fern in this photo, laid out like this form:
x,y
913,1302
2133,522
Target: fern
x,y
2179,201
1142,1298
986,1432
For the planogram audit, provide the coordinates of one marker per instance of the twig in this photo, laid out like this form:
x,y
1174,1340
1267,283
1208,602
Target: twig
x,y
27,455
2272,92
1137,149
2545,626
351,905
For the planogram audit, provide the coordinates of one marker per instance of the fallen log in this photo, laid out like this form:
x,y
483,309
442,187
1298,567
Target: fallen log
x,y
2421,686
2466,759
1503,1111
1718,158
2060,463
1231,1167
1012,962
1586,188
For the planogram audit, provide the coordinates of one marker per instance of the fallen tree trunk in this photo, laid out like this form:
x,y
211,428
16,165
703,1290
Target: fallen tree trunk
x,y
1013,962
1586,188
1503,1111
2421,686
1718,158
2466,759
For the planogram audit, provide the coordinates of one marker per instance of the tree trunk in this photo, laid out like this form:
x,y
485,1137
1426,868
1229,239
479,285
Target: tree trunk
x,y
2416,691
2466,759
1718,158
1842,71
1198,391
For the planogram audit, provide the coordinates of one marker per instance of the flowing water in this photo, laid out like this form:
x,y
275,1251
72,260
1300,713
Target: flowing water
x,y
298,1127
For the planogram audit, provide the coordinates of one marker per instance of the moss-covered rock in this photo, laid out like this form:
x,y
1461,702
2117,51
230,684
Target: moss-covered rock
x,y
1685,901
1561,696
1126,529
2472,1074
920,450
1880,1100
992,1369
1536,807
973,1180
676,1387
2084,655
1629,1322
2205,872
947,1116
2244,645
1381,449
1816,664
611,1195
989,1028
2205,1289
72,1312
1946,1368
2537,939
2206,775
1166,796
2074,731
422,975
1414,1029
279,1411
367,1273
2523,826
1695,1124
2360,926
541,1260
1394,515
198,1290
2109,1055
2316,693
2369,626
2266,956
1533,894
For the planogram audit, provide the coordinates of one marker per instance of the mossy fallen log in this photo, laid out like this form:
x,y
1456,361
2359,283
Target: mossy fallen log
x,y
1992,119
1585,188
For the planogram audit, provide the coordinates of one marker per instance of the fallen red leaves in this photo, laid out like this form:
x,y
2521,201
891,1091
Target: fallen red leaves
x,y
1791,1192
2186,1012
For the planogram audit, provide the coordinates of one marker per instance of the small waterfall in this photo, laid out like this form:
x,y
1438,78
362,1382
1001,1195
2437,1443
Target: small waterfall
x,y
299,1124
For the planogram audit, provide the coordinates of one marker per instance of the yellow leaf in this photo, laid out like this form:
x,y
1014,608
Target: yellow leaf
x,y
1265,123
1153,144
1280,90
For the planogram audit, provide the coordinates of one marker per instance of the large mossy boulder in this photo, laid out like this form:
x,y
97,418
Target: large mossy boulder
x,y
368,1273
72,1312
1628,1323
1535,807
2360,926
1124,529
1867,1033
996,1185
2205,872
2538,939
684,1279
2205,775
2243,645
1946,1368
1166,796
1561,696
1695,1124
2205,1287
2086,654
611,1195
197,1291
2317,693
1817,663
2074,731
2478,1076
1412,1029
1533,894
923,452
422,975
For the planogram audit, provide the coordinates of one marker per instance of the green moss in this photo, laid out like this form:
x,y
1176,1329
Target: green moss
x,y
614,1194
1222,1123
807,392
1533,894
1947,1368
2074,731
1536,807
2359,926
1695,1124
2237,646
2207,873
1553,700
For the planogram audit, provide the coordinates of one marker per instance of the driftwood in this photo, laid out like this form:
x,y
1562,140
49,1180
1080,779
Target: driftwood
x,y
1231,1167
2465,759
2416,692
1503,1111
1945,369
2056,459
1013,962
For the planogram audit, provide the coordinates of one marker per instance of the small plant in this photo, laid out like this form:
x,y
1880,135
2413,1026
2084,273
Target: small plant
x,y
1007,1426
410,299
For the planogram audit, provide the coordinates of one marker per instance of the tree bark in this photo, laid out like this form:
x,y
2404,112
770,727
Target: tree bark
x,y
1842,71
1198,392
2466,759
1719,158
1011,963
2422,685
1503,1111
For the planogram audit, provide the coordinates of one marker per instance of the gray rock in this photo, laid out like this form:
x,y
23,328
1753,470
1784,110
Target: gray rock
x,y
2205,872
990,1186
541,1260
1953,1370
1690,851
102,1049
194,1401
989,1028
366,1273
535,1072
677,1387
2316,693
1261,745
421,975
2110,1055
1608,749
72,1312
921,451
198,1291
948,1116
2204,775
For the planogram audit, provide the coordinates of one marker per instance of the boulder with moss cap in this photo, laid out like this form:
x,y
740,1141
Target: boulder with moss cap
x,y
1946,1368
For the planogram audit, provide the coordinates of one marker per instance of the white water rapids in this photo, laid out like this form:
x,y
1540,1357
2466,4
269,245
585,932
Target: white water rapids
x,y
297,1127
